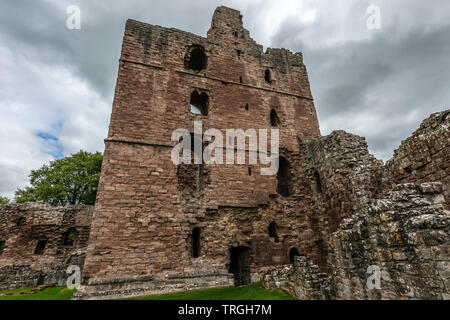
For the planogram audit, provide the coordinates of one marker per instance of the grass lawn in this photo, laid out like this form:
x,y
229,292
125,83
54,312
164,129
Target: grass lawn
x,y
252,292
55,293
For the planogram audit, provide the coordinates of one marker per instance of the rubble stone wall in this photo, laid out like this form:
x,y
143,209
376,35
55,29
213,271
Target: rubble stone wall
x,y
405,235
424,156
25,227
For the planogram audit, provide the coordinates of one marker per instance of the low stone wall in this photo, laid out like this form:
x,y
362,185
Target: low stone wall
x,y
39,242
120,288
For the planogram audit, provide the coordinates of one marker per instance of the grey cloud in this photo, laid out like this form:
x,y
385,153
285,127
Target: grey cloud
x,y
397,77
377,84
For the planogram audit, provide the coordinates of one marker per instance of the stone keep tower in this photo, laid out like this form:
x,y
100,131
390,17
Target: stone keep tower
x,y
161,227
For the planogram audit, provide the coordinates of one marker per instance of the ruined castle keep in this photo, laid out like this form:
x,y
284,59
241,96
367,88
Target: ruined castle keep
x,y
158,225
312,229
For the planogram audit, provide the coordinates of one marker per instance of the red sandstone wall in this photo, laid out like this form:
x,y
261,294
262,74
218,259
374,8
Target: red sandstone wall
x,y
144,215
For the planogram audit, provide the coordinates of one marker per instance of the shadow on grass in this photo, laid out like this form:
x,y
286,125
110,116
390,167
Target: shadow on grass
x,y
55,293
252,292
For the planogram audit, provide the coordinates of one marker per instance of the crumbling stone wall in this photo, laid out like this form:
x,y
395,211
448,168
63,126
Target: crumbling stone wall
x,y
383,220
338,175
405,234
424,156
35,248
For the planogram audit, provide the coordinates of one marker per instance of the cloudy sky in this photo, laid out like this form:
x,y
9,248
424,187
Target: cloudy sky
x,y
56,84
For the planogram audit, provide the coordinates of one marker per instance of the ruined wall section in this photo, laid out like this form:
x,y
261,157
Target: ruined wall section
x,y
405,234
35,250
424,156
339,176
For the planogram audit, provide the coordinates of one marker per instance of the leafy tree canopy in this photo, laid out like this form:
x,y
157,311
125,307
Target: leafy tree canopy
x,y
72,180
4,200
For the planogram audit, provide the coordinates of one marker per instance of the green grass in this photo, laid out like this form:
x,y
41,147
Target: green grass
x,y
252,292
55,293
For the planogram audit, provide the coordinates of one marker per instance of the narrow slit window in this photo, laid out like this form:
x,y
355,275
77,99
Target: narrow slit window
x,y
273,231
40,247
283,177
2,246
196,242
268,76
318,182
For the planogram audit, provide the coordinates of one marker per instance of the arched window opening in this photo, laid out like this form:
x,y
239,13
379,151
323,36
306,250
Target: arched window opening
x,y
274,119
240,80
69,237
249,172
283,177
273,231
199,103
196,242
268,76
317,181
196,59
40,247
246,107
293,253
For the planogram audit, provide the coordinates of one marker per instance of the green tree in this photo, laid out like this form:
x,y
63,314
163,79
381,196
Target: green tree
x,y
72,180
4,200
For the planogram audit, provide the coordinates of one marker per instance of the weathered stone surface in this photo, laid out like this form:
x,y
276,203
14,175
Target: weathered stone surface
x,y
396,233
424,157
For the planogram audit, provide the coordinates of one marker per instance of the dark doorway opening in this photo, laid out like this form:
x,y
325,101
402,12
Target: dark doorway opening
x,y
283,177
196,242
240,265
293,253
2,246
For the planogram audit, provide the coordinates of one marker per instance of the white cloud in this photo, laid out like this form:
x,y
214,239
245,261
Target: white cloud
x,y
38,99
